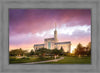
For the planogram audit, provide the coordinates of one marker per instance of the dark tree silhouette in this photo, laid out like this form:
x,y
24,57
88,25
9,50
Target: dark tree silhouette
x,y
17,52
80,50
61,51
31,52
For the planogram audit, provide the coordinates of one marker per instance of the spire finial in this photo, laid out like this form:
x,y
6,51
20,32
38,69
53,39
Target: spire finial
x,y
55,26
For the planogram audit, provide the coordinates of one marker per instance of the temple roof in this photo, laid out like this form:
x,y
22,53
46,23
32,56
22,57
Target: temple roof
x,y
38,44
49,39
63,42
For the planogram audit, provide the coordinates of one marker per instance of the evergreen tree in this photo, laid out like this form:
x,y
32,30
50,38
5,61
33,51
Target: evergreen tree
x,y
61,51
32,52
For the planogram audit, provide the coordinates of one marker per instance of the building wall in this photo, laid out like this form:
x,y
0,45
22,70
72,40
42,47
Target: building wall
x,y
66,47
46,43
38,47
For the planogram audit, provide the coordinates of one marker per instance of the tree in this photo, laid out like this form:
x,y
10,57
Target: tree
x,y
61,51
41,52
79,46
56,51
17,52
31,52
79,49
89,49
75,51
89,46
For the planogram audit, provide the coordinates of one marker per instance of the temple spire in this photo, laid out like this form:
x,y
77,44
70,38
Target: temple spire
x,y
55,33
55,26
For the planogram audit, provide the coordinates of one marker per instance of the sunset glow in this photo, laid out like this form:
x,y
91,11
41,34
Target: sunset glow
x,y
31,26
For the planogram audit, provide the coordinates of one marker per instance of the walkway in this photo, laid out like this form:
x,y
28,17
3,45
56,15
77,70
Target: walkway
x,y
55,60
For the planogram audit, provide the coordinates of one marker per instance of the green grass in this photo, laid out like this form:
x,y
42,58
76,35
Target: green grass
x,y
72,60
66,60
14,60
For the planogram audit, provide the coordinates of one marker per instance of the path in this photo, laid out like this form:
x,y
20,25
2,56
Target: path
x,y
55,60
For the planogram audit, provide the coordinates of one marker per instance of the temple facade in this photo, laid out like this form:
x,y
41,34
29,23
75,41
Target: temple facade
x,y
52,43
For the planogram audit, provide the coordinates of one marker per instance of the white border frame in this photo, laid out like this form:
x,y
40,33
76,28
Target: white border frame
x,y
44,68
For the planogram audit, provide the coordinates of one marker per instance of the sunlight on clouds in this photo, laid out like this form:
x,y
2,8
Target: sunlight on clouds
x,y
41,34
69,30
45,33
65,30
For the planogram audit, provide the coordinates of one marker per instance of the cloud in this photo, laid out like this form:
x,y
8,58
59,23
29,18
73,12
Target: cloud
x,y
64,32
38,20
73,30
21,39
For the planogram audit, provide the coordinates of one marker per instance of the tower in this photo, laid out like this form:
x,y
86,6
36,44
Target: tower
x,y
55,34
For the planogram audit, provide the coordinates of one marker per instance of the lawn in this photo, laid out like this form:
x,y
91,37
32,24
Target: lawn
x,y
72,60
14,60
66,60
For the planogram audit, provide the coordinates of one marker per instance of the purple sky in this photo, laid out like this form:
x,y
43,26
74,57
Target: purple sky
x,y
30,26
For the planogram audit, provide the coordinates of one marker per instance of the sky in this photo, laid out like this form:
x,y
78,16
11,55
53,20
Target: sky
x,y
31,26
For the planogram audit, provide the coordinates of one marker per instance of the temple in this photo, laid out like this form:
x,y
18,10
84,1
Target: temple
x,y
52,43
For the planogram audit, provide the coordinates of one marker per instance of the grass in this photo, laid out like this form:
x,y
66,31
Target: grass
x,y
14,60
66,60
72,60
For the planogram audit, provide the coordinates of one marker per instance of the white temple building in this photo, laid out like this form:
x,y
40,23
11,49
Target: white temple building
x,y
52,43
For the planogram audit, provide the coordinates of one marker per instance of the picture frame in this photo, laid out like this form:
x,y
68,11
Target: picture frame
x,y
47,68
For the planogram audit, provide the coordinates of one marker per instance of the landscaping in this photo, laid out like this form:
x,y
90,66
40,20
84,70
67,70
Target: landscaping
x,y
82,55
72,60
66,60
14,60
